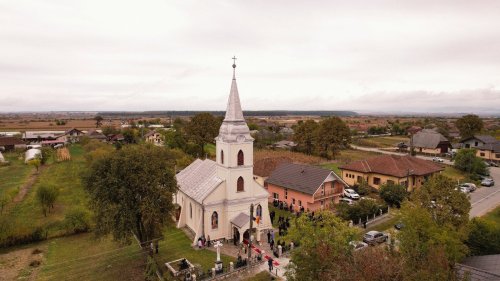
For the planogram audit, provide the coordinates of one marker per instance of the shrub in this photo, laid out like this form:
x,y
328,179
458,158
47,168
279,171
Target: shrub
x,y
393,194
77,220
47,196
484,237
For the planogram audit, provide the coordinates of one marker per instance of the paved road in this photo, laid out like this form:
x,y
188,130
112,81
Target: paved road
x,y
448,162
483,200
486,199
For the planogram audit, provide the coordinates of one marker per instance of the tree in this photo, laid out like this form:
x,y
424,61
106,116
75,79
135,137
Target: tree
x,y
47,153
467,161
393,194
324,246
130,135
35,162
469,125
77,220
332,135
109,130
484,237
47,196
132,189
305,135
98,121
202,129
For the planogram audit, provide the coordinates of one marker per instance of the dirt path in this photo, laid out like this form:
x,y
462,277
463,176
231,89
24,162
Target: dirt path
x,y
28,184
22,264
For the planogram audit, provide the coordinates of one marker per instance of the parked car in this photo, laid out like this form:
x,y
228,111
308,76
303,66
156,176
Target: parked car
x,y
358,245
493,164
373,237
437,159
399,225
346,201
462,189
350,193
488,182
470,186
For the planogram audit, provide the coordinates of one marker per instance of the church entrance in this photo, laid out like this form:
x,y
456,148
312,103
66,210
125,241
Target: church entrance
x,y
246,235
236,236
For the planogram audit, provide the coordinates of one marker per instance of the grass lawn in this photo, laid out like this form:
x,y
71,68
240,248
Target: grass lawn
x,y
81,257
210,149
494,216
65,176
381,142
262,276
453,173
177,245
14,175
331,166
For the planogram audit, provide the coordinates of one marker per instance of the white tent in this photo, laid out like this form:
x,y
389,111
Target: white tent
x,y
32,154
1,158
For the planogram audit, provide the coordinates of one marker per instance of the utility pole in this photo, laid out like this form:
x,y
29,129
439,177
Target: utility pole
x,y
250,235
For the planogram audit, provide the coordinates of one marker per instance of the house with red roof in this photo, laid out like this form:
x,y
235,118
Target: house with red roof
x,y
407,170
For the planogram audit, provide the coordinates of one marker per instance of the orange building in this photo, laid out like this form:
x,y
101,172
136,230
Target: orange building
x,y
304,186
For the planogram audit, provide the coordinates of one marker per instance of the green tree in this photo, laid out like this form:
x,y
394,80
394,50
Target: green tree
x,y
202,129
305,135
130,135
36,162
469,125
47,153
393,194
467,161
333,134
484,237
98,121
77,220
324,245
46,196
132,189
109,130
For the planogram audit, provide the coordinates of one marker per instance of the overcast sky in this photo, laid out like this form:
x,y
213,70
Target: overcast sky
x,y
420,56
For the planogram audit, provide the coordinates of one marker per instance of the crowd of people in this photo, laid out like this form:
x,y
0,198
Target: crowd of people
x,y
204,242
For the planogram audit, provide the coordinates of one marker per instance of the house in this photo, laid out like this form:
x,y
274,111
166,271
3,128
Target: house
x,y
489,152
304,186
11,143
154,138
477,140
72,135
95,135
263,168
215,197
115,138
430,141
408,171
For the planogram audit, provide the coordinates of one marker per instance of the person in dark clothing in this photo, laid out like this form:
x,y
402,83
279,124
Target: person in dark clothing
x,y
270,263
268,236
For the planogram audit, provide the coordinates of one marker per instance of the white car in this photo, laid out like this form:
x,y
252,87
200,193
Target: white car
x,y
350,193
346,200
358,245
470,186
462,189
437,159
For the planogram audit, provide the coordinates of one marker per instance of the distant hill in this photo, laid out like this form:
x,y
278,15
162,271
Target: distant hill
x,y
221,113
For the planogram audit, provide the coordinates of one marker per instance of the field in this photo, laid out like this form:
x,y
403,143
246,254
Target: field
x,y
13,176
27,215
350,155
380,142
296,157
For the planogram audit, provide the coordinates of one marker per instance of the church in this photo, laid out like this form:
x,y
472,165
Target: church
x,y
215,196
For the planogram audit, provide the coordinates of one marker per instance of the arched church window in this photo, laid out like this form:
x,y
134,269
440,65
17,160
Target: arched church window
x,y
222,156
258,211
190,211
215,220
241,158
240,186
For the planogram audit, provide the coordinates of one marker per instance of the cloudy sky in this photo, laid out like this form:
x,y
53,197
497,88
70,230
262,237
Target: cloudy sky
x,y
419,56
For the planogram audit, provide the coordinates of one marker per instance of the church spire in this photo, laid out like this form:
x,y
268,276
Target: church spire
x,y
233,110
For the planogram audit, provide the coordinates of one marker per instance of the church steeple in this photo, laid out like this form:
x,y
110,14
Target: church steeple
x,y
234,128
233,110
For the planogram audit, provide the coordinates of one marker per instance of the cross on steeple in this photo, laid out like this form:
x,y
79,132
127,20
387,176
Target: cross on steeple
x,y
234,61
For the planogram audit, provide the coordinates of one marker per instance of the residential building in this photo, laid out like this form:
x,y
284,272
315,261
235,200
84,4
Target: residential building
x,y
154,137
33,137
489,152
215,197
408,171
304,186
11,143
96,135
477,141
430,142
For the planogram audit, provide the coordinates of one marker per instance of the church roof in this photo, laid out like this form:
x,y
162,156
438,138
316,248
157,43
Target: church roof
x,y
233,110
199,179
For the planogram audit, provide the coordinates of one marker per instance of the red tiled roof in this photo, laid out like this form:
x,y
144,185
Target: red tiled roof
x,y
394,165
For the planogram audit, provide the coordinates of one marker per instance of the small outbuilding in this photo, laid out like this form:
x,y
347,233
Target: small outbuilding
x,y
31,154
